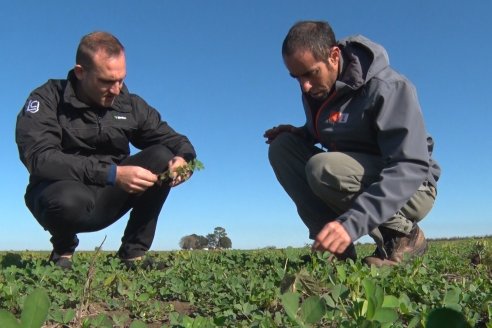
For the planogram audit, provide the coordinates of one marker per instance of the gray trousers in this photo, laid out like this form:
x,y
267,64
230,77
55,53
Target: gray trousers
x,y
323,184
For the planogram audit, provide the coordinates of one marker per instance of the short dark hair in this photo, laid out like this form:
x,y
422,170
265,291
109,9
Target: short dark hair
x,y
315,36
92,43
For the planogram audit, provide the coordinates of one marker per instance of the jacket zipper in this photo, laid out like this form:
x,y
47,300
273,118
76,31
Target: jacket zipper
x,y
320,109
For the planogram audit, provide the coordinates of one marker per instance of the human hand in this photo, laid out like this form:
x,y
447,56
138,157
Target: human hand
x,y
134,179
272,133
333,238
176,176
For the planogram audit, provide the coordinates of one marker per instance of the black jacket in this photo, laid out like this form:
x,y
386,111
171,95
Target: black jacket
x,y
61,138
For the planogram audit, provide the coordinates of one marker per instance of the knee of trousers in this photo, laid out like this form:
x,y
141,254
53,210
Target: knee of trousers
x,y
63,207
325,172
283,147
154,158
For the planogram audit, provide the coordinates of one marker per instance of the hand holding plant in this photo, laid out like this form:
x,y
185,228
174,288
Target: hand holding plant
x,y
179,171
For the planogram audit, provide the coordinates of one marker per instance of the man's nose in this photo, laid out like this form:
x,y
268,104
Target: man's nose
x,y
305,85
116,88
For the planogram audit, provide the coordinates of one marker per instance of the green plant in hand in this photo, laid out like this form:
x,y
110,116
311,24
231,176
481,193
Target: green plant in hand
x,y
183,171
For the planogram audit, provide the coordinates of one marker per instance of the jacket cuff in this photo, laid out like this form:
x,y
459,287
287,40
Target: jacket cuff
x,y
111,179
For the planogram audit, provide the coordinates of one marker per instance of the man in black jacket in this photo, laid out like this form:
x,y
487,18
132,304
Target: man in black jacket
x,y
73,136
374,172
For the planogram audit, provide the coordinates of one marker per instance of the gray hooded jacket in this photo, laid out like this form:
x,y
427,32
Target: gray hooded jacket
x,y
374,110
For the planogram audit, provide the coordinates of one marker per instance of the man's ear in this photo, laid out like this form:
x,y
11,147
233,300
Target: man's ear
x,y
79,72
334,56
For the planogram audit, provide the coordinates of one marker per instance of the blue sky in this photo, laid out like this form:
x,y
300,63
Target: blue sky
x,y
214,71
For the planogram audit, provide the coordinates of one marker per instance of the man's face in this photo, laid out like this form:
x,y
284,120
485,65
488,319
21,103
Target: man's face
x,y
99,85
315,77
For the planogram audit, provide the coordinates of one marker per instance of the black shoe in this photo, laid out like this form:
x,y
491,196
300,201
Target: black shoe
x,y
131,264
63,261
143,262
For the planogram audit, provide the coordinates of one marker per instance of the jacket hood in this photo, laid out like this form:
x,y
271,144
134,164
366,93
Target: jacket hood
x,y
361,60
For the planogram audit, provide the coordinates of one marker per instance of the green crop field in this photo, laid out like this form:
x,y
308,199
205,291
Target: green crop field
x,y
448,287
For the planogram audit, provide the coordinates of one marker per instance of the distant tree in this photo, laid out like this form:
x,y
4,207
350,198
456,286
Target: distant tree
x,y
211,241
186,242
202,242
193,241
215,237
225,242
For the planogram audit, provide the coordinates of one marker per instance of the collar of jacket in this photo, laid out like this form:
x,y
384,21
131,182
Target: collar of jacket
x,y
122,103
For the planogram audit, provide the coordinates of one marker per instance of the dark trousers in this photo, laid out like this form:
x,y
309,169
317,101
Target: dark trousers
x,y
67,207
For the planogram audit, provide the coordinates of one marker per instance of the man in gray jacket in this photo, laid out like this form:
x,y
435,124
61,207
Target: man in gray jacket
x,y
73,137
373,172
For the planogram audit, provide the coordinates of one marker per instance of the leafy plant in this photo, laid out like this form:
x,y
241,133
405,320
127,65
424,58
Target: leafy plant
x,y
182,171
290,287
33,315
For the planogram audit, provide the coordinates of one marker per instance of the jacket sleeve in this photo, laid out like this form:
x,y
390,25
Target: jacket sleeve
x,y
403,144
152,130
39,141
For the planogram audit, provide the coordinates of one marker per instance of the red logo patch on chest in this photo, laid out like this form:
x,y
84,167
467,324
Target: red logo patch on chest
x,y
337,117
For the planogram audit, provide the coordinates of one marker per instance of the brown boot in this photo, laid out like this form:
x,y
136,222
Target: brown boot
x,y
396,245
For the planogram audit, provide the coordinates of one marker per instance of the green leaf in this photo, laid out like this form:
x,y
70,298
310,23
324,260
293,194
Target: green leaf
x,y
138,324
290,301
445,317
390,301
109,280
62,316
144,297
337,291
369,286
292,254
312,309
385,315
452,298
405,304
414,322
370,303
8,320
68,316
101,320
342,274
329,301
35,310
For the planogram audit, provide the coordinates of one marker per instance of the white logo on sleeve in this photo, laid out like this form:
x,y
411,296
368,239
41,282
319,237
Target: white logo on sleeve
x,y
32,106
343,118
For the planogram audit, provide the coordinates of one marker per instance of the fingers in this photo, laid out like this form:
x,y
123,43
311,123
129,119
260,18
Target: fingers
x,y
178,180
134,179
333,238
175,162
272,133
176,173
